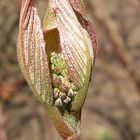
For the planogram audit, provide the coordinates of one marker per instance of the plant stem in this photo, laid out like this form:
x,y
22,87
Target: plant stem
x,y
65,131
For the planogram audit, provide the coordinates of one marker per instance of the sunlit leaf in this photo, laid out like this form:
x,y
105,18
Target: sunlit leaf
x,y
74,40
31,52
86,24
75,43
57,60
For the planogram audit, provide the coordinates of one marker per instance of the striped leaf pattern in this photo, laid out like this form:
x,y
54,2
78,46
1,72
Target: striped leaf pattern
x,y
74,40
31,52
79,9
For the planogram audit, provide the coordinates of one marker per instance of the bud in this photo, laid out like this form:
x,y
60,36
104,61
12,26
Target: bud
x,y
64,87
74,87
57,81
71,93
56,93
62,95
56,59
67,100
58,102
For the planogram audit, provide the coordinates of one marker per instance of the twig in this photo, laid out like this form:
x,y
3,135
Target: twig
x,y
119,126
125,128
135,3
118,45
3,134
111,69
119,74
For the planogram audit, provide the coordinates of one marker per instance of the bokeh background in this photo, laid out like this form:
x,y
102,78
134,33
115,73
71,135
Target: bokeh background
x,y
112,108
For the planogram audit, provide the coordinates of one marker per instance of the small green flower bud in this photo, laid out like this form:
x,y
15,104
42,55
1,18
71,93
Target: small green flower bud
x,y
70,93
58,102
53,57
62,95
57,81
57,70
56,93
64,87
67,100
65,73
74,87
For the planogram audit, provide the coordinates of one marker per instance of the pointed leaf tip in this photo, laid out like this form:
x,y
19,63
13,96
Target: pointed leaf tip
x,y
74,40
79,9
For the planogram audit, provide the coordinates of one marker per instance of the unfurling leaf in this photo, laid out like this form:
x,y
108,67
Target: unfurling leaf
x,y
57,59
31,52
73,41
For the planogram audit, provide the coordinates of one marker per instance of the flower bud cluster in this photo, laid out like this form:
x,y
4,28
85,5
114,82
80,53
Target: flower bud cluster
x,y
64,89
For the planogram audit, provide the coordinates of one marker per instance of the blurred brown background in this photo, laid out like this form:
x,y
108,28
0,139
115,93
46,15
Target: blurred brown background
x,y
112,108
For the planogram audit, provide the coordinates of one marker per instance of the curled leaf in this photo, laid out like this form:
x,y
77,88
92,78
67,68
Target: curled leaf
x,y
31,52
74,42
57,60
79,10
